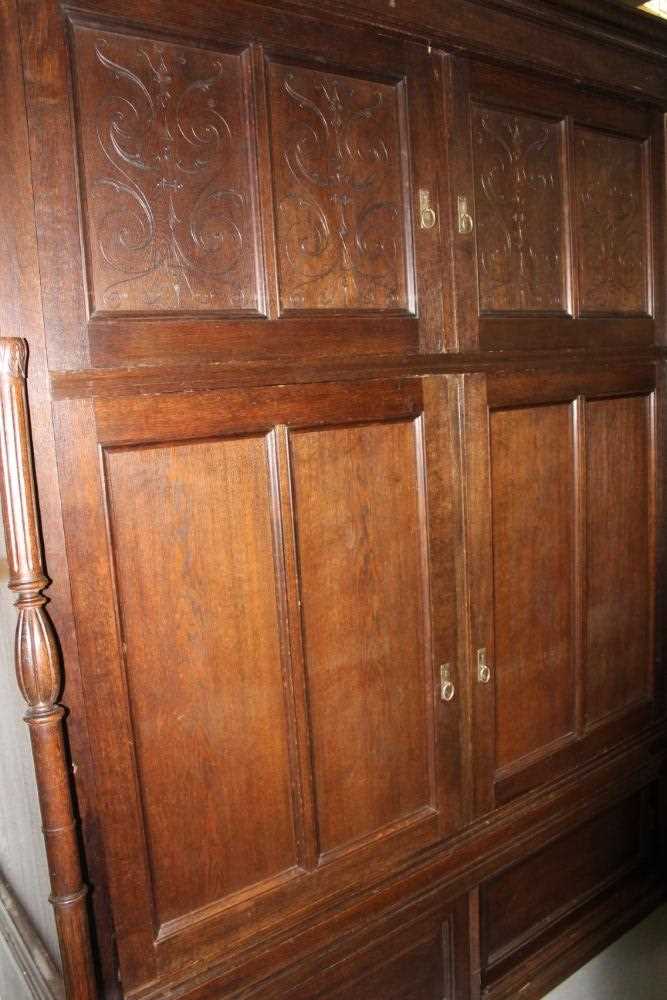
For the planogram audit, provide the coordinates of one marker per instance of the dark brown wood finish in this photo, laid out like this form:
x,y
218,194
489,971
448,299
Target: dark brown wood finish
x,y
562,204
561,684
223,173
352,334
285,666
39,673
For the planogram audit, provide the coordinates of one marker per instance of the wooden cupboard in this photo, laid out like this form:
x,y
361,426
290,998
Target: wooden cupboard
x,y
346,389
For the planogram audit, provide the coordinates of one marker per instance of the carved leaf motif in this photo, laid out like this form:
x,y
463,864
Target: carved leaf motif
x,y
165,158
37,657
519,197
336,148
611,227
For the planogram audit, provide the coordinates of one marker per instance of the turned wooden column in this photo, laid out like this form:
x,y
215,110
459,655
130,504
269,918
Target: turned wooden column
x,y
39,674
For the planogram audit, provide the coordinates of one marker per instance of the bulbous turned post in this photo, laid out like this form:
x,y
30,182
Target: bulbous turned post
x,y
39,674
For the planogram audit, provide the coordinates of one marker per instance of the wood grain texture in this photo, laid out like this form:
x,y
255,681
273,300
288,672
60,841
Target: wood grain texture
x,y
211,744
619,588
39,674
521,220
611,224
339,149
166,154
532,462
557,879
358,500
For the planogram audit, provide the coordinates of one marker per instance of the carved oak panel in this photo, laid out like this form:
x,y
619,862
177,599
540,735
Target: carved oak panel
x,y
337,146
611,223
164,146
519,197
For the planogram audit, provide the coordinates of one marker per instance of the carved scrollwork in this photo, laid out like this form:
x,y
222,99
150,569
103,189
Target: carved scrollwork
x,y
611,227
340,218
170,194
520,211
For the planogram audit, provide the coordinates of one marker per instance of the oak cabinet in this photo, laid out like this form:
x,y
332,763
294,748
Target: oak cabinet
x,y
564,890
564,471
254,178
346,379
559,202
288,712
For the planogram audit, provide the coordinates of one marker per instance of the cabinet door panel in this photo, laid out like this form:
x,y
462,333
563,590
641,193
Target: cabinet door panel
x,y
339,152
358,496
612,244
204,511
567,464
275,589
561,194
519,163
532,490
239,174
619,587
166,151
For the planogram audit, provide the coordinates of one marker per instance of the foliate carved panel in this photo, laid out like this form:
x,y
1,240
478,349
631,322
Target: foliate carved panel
x,y
611,223
168,206
520,209
337,147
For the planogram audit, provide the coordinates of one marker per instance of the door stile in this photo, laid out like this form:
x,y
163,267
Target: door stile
x,y
479,582
447,601
295,672
578,416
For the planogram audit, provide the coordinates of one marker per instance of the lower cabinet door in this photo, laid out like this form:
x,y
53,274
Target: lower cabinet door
x,y
562,475
265,591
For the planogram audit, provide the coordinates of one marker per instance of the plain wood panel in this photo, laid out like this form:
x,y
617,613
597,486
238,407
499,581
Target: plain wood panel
x,y
555,879
532,483
619,561
193,545
360,536
408,967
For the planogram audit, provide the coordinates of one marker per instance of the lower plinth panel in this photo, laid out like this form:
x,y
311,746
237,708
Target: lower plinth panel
x,y
549,913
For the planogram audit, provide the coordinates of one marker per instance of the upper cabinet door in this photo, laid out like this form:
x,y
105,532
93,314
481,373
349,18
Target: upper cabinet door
x,y
558,202
265,593
213,167
562,522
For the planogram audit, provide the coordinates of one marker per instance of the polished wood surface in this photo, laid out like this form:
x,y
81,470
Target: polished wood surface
x,y
39,673
533,498
353,365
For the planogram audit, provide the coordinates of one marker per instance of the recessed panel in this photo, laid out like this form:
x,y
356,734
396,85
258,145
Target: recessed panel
x,y
525,899
521,237
360,536
533,537
165,150
191,529
611,223
339,162
619,567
